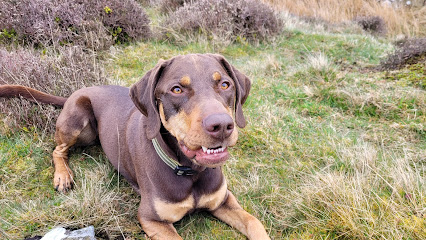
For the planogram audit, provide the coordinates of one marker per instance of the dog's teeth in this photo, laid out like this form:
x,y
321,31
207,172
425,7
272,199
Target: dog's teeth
x,y
212,151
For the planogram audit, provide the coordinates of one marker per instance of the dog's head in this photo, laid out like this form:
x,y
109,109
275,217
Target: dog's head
x,y
198,98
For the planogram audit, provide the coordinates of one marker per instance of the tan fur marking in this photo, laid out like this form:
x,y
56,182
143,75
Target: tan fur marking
x,y
63,176
216,76
195,136
232,213
212,201
159,230
173,212
178,125
185,81
234,136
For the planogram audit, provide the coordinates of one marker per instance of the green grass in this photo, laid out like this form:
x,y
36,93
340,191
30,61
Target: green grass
x,y
331,150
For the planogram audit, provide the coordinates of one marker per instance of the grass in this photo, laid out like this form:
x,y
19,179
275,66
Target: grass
x,y
332,149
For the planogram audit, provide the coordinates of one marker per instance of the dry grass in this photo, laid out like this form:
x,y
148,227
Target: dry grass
x,y
402,20
367,198
100,198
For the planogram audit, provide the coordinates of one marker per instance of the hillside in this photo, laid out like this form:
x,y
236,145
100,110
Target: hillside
x,y
334,147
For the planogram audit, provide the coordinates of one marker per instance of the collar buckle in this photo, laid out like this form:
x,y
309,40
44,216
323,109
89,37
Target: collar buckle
x,y
184,171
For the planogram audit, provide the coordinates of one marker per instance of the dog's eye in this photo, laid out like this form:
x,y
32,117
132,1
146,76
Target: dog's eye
x,y
177,90
224,85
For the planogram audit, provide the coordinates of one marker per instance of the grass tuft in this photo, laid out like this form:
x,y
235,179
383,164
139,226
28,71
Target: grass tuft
x,y
375,199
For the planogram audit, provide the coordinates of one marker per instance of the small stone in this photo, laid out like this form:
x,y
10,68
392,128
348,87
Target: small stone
x,y
55,234
61,233
87,233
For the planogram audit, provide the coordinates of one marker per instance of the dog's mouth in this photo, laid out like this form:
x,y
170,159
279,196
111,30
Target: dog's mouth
x,y
211,157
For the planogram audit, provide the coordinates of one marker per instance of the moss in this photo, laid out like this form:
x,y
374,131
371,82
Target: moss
x,y
412,75
7,35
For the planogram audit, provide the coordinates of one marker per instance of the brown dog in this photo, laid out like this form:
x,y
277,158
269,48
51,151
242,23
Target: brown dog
x,y
168,139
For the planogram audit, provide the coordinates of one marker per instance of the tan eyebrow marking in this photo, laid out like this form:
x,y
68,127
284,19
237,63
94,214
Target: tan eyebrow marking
x,y
185,81
216,76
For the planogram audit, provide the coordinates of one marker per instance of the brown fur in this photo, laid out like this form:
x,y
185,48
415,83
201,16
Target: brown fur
x,y
31,94
125,126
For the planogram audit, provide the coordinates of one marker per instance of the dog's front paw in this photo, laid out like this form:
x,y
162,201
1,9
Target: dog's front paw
x,y
63,181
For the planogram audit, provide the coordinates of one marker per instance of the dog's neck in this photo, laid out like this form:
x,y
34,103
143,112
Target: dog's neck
x,y
171,147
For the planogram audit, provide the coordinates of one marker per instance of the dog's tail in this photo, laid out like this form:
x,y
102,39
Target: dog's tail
x,y
31,94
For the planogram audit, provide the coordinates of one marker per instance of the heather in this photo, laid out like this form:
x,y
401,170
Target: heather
x,y
59,72
92,24
242,19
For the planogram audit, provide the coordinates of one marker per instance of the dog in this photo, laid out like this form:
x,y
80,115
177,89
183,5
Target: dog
x,y
168,135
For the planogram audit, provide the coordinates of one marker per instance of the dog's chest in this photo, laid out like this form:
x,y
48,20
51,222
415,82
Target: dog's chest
x,y
174,211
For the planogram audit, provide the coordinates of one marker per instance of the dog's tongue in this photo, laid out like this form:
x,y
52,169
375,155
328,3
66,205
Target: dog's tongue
x,y
204,158
188,152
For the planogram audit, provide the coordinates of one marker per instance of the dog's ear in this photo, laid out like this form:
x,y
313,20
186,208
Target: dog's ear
x,y
142,94
242,85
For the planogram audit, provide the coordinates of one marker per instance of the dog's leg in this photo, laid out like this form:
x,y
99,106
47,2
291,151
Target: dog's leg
x,y
63,177
75,125
233,214
159,230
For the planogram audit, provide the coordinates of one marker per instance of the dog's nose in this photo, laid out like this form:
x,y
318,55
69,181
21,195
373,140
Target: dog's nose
x,y
219,126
